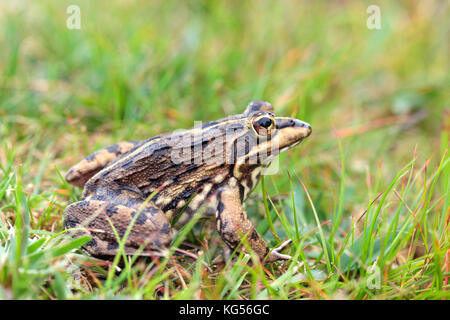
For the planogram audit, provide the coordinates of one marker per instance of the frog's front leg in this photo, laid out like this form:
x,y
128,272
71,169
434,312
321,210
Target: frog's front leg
x,y
151,229
233,225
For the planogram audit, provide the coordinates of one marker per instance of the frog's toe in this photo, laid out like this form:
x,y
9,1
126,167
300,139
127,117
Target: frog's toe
x,y
276,254
283,245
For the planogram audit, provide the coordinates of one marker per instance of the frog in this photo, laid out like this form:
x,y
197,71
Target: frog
x,y
155,186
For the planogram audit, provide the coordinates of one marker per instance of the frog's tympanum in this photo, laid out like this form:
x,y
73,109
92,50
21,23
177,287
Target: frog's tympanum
x,y
166,179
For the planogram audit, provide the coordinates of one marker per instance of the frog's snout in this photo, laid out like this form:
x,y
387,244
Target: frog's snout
x,y
290,132
301,124
296,128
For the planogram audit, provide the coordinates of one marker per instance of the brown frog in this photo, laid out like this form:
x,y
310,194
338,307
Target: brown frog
x,y
167,178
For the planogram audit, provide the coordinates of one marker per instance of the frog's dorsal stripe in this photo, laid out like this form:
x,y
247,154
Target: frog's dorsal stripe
x,y
152,141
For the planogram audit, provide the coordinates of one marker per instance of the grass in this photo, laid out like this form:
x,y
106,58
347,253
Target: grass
x,y
365,199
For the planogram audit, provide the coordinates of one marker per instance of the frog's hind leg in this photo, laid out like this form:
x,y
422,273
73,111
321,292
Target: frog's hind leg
x,y
150,232
89,166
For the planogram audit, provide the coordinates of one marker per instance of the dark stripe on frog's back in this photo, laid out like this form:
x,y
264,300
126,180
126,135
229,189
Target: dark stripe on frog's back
x,y
145,149
157,150
125,162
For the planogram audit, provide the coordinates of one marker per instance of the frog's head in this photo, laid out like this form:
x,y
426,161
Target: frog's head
x,y
286,130
253,137
270,134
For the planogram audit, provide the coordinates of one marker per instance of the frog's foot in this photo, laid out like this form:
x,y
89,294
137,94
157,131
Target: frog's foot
x,y
275,254
107,224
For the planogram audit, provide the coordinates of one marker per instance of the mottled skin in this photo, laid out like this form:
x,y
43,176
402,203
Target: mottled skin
x,y
219,166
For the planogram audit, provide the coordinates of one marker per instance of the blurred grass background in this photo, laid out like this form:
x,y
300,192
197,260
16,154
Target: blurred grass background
x,y
136,69
139,68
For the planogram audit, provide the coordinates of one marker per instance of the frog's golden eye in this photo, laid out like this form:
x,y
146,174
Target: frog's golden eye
x,y
263,125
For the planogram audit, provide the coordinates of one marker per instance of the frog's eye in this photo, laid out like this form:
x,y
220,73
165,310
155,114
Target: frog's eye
x,y
263,125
